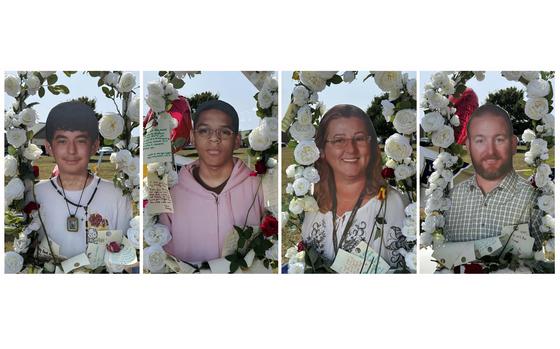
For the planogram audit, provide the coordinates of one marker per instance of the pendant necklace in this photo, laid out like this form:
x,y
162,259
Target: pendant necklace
x,y
72,222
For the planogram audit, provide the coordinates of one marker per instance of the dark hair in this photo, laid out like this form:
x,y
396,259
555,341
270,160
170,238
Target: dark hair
x,y
221,106
72,116
494,110
326,188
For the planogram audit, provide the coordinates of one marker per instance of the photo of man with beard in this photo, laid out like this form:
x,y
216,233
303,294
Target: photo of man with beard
x,y
496,196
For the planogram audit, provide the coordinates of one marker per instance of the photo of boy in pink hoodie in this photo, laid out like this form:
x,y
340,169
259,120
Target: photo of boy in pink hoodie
x,y
214,193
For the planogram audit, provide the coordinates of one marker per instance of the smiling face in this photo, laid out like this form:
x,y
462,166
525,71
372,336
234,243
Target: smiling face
x,y
72,151
491,147
350,160
212,140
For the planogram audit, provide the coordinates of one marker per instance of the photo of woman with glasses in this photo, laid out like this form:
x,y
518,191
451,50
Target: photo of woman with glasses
x,y
355,203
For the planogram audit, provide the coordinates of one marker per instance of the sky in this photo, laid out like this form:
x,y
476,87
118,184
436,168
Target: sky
x,y
80,85
232,87
359,93
492,82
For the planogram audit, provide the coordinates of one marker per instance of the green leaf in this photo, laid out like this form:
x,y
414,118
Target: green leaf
x,y
106,90
32,104
63,89
12,151
336,79
295,75
53,90
52,79
69,73
162,73
41,92
177,83
107,141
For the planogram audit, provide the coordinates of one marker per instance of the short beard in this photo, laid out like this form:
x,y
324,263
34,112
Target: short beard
x,y
491,176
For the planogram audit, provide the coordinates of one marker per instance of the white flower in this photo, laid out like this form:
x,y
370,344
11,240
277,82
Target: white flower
x,y
440,80
402,172
313,80
156,103
536,108
546,203
16,137
126,82
388,109
311,174
33,84
32,152
542,175
270,125
455,120
300,95
12,85
28,116
438,102
538,147
432,121
132,166
306,153
121,158
296,206
405,121
134,222
433,222
410,210
304,115
265,99
410,259
548,222
479,75
548,121
528,135
348,76
310,204
289,189
133,110
398,147
425,239
157,234
411,87
511,75
443,137
10,166
13,262
409,229
111,125
111,79
258,139
271,163
325,75
296,268
538,88
291,170
314,98
301,132
301,186
155,89
154,259
388,80
14,190
530,75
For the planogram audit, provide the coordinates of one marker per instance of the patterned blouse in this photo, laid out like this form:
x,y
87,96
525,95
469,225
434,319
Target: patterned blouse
x,y
317,230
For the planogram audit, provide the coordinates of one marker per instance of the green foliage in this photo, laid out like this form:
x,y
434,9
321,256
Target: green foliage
x,y
511,99
374,111
199,98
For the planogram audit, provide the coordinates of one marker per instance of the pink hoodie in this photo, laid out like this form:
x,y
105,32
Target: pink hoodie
x,y
202,219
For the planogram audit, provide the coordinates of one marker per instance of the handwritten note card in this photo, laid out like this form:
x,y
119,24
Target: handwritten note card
x,y
158,195
157,143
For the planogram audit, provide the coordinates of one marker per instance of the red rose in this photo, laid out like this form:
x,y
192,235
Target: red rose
x,y
36,171
96,219
473,268
30,207
260,167
269,226
388,172
145,203
253,174
301,246
114,246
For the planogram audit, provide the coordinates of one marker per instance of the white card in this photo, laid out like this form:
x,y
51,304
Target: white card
x,y
484,247
374,263
159,198
178,266
43,251
451,254
75,262
521,243
219,266
157,143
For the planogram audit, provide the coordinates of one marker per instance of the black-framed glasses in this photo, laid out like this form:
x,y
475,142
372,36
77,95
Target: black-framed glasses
x,y
221,133
341,142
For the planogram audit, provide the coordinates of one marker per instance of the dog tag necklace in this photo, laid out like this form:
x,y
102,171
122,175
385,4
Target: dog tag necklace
x,y
72,222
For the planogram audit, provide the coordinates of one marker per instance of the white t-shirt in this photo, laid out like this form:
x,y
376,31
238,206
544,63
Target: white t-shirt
x,y
109,209
317,229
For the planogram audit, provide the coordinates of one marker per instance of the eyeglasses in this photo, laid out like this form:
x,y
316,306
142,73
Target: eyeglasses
x,y
221,133
342,142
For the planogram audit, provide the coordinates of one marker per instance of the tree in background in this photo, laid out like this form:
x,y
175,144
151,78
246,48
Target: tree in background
x,y
199,98
383,128
511,99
